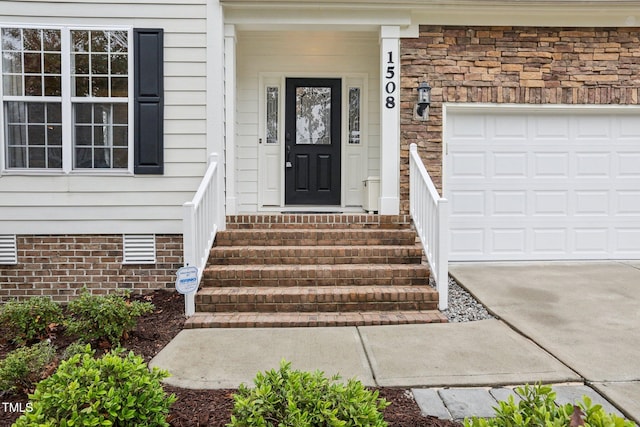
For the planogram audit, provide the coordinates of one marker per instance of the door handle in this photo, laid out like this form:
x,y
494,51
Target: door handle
x,y
288,163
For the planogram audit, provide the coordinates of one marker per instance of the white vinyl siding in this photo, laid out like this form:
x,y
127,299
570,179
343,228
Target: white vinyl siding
x,y
298,54
123,203
543,184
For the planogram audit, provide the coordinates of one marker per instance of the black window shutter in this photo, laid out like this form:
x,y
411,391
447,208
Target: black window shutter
x,y
148,101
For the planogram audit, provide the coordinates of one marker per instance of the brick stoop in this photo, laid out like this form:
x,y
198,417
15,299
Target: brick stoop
x,y
315,270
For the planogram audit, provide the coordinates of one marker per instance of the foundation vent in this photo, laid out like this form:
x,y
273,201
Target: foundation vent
x,y
8,249
139,249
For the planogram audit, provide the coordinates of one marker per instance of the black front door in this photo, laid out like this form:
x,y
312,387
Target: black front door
x,y
312,141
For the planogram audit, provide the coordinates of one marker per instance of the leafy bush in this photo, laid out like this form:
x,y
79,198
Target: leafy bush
x,y
30,319
77,347
538,408
303,399
104,316
114,390
25,366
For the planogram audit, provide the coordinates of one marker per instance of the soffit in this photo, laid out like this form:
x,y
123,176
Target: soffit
x,y
357,15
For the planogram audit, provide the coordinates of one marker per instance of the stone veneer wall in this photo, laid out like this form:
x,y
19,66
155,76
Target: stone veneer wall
x,y
61,266
521,65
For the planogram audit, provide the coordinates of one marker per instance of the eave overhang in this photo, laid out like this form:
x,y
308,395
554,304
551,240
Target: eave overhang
x,y
361,15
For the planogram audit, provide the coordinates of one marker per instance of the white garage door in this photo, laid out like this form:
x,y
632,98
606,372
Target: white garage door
x,y
543,184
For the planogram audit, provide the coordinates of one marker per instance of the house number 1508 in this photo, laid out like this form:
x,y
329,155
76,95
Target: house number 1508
x,y
390,85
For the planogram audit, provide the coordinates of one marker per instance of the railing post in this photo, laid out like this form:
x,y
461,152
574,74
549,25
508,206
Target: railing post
x,y
413,148
189,238
219,200
443,254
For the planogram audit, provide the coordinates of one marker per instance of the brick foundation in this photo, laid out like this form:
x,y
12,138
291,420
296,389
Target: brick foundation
x,y
519,65
61,266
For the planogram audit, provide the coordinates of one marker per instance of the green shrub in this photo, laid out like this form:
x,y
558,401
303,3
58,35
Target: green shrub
x,y
538,408
30,319
24,367
302,399
77,347
114,390
104,316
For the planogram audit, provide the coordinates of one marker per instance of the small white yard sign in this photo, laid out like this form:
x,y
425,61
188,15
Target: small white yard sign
x,y
187,280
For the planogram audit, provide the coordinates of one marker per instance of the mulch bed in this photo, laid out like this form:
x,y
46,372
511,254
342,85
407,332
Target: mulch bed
x,y
211,408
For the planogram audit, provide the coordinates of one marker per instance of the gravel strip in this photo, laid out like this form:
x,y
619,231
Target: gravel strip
x,y
463,307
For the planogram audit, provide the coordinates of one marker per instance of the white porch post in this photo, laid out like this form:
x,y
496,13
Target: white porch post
x,y
230,115
390,120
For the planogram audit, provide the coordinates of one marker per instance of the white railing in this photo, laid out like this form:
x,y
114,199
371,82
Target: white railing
x,y
202,217
430,215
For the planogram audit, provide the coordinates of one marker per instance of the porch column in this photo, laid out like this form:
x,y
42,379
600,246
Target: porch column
x,y
230,115
390,120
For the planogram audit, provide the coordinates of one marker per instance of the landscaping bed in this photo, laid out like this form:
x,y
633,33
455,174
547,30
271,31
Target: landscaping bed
x,y
198,407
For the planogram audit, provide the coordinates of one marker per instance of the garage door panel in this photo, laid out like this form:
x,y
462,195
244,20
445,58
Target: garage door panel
x,y
554,202
509,203
508,242
549,241
628,129
592,203
590,164
543,186
551,165
628,203
468,242
469,165
467,203
509,165
592,128
468,127
628,165
510,130
591,241
549,129
626,241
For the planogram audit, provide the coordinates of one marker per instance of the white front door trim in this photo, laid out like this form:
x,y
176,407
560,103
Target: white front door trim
x,y
271,157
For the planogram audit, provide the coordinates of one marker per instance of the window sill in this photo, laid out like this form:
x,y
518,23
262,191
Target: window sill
x,y
46,173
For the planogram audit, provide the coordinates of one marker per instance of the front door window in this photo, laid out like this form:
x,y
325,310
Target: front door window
x,y
313,115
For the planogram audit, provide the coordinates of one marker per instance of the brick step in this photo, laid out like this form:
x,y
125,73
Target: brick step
x,y
276,320
287,255
317,299
322,221
315,237
315,275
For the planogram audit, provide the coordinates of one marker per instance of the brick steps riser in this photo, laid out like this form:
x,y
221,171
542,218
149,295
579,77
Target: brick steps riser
x,y
317,307
321,319
314,255
307,299
315,275
314,238
323,282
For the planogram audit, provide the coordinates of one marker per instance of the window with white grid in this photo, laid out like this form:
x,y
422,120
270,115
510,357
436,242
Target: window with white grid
x,y
67,99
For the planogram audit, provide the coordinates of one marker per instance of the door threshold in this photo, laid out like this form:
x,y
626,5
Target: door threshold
x,y
312,210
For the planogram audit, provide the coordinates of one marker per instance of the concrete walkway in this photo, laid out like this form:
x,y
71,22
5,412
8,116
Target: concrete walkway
x,y
567,323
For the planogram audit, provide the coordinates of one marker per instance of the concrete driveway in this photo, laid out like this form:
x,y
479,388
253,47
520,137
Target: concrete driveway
x,y
586,314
